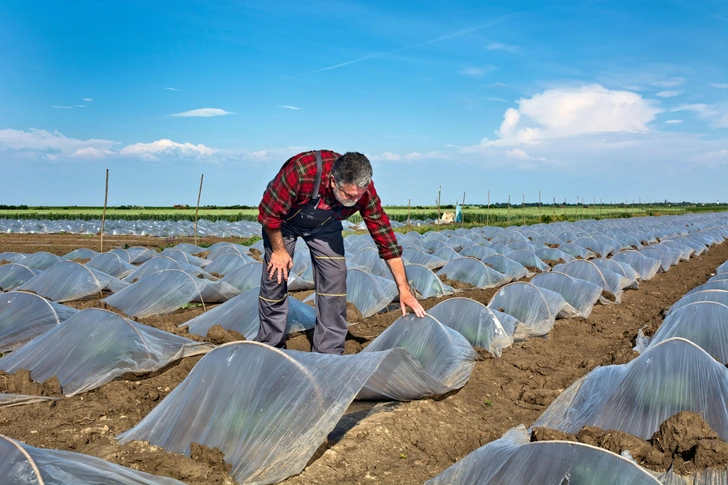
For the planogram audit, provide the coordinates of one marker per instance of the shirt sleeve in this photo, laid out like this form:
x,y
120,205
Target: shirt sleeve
x,y
279,196
379,226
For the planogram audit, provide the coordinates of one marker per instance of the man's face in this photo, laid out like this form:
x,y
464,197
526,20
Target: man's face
x,y
347,194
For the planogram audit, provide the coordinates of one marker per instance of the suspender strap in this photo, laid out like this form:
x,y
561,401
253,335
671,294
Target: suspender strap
x,y
317,181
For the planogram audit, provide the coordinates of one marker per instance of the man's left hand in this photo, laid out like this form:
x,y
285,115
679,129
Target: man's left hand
x,y
407,299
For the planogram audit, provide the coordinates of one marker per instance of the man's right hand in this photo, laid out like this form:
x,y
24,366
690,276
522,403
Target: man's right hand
x,y
279,265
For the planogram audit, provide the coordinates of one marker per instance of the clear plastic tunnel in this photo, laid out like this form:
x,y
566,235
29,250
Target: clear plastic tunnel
x,y
24,316
474,321
529,260
111,264
415,256
580,294
425,282
473,272
227,263
369,293
505,265
245,277
13,275
612,284
645,266
672,376
94,346
69,281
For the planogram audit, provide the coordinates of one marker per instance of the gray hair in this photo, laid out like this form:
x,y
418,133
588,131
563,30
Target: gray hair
x,y
352,168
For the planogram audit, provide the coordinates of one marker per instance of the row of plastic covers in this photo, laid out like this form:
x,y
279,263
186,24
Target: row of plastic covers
x,y
682,368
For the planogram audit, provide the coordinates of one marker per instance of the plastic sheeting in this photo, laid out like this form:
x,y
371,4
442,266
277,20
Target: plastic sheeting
x,y
645,266
161,263
68,281
24,316
269,410
415,256
369,258
580,294
612,283
623,269
82,253
710,285
183,257
38,466
140,255
477,251
241,314
666,258
111,264
10,400
11,257
425,282
535,308
577,251
14,275
94,346
156,294
369,293
505,265
717,296
672,376
722,269
704,323
555,255
246,277
514,460
473,272
227,263
600,249
528,260
41,261
446,253
474,321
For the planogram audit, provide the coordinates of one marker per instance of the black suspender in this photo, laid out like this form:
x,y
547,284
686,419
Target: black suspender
x,y
317,180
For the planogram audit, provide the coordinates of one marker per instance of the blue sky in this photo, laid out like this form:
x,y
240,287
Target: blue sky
x,y
613,100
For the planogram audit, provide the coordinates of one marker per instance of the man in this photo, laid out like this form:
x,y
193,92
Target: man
x,y
309,197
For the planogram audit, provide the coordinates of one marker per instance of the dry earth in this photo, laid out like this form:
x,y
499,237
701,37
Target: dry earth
x,y
407,444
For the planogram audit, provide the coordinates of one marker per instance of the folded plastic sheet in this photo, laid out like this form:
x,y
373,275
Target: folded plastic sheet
x,y
10,400
717,296
672,376
704,323
426,283
189,248
577,251
446,253
297,283
68,281
369,258
667,258
13,275
474,321
214,291
580,294
94,346
24,316
25,464
686,251
722,269
415,256
514,460
477,251
473,272
241,314
41,261
505,265
535,308
140,255
645,266
528,259
612,283
82,253
111,264
623,269
227,263
710,285
555,255
245,277
156,294
161,263
369,293
269,410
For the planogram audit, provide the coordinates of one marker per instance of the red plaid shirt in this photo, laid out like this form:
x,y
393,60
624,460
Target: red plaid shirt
x,y
292,187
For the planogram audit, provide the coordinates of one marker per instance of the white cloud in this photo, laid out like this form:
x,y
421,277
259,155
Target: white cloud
x,y
173,89
719,85
518,153
204,113
716,114
167,149
294,108
496,85
407,157
472,72
496,99
45,145
668,94
88,100
502,47
80,106
61,107
564,112
673,122
670,83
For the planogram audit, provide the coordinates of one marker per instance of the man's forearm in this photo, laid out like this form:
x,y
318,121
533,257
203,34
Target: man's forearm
x,y
276,239
396,266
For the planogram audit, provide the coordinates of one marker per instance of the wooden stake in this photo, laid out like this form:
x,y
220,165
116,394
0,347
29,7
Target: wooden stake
x,y
523,209
439,193
409,209
103,217
539,206
509,210
554,208
197,209
487,211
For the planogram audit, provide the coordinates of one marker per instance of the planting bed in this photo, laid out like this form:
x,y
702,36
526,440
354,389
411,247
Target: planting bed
x,y
409,442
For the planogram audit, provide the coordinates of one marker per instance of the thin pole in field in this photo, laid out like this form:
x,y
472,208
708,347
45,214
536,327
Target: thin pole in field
x,y
197,209
409,210
462,209
600,207
523,209
554,208
439,193
509,210
565,209
103,216
539,206
487,211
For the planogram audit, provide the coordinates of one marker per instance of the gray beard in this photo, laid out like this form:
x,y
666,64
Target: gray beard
x,y
348,203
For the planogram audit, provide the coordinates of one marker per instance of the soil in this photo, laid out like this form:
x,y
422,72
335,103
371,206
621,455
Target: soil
x,y
407,443
684,442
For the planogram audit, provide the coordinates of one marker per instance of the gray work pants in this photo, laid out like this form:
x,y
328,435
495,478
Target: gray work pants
x,y
326,245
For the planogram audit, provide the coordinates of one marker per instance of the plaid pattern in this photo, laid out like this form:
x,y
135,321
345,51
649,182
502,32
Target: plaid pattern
x,y
292,187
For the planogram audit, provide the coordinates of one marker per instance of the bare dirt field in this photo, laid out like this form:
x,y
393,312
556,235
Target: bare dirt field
x,y
406,444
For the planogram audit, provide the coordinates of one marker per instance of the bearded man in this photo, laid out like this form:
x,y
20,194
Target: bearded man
x,y
308,198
